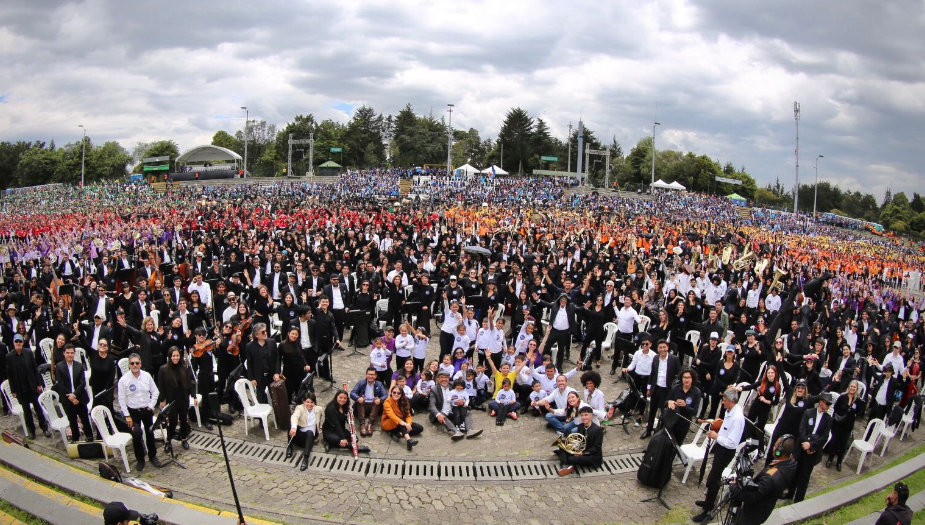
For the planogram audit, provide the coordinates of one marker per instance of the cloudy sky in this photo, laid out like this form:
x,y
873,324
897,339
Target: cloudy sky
x,y
725,74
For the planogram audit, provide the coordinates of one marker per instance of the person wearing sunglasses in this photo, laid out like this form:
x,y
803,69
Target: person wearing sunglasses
x,y
137,397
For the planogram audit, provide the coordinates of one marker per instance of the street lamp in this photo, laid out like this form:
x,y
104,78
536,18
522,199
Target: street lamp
x,y
449,140
83,150
246,120
569,168
653,151
816,185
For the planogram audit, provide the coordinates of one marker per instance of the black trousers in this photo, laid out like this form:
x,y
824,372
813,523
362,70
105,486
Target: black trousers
x,y
622,346
446,344
658,397
805,465
29,401
142,421
263,383
306,440
570,459
563,338
205,380
400,431
721,458
75,412
340,317
179,413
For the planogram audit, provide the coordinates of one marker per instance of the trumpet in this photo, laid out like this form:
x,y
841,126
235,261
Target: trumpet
x,y
778,274
572,443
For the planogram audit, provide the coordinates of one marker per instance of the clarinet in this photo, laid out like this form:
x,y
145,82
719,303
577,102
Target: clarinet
x,y
353,431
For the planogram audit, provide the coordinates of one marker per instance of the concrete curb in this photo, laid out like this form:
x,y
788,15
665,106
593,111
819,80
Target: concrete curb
x,y
846,495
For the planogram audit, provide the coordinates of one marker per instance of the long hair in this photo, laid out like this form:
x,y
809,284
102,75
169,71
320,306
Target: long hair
x,y
337,406
177,376
404,406
764,380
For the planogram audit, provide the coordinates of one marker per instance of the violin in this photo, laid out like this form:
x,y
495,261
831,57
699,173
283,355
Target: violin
x,y
234,346
200,348
715,424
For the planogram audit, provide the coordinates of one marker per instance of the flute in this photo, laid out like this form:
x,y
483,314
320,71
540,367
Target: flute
x,y
353,431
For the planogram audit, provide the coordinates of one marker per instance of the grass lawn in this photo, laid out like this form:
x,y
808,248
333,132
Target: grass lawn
x,y
875,502
909,454
24,517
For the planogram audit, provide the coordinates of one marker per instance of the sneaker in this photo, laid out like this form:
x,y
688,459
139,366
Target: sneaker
x,y
474,434
457,436
560,433
566,470
156,462
701,517
493,413
499,423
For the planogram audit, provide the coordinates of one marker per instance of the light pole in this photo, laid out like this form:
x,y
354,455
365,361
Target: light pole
x,y
83,150
449,140
653,152
569,168
246,121
816,185
796,154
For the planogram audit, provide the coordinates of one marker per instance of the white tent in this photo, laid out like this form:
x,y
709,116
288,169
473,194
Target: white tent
x,y
661,185
676,186
466,169
498,171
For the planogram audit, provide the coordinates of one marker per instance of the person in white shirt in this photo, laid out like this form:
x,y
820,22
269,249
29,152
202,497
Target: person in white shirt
x,y
137,397
627,318
751,301
594,397
205,291
727,439
558,398
304,427
772,302
894,358
404,345
505,403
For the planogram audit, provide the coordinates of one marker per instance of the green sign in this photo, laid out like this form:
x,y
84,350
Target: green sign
x,y
549,159
337,150
162,167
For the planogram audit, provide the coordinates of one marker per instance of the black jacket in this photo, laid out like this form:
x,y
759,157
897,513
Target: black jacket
x,y
895,515
594,443
569,314
64,387
261,360
674,366
23,373
760,495
816,440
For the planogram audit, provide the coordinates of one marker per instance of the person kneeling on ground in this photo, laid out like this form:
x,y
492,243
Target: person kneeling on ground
x,y
593,453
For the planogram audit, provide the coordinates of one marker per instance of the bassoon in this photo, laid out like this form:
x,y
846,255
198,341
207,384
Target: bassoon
x,y
353,430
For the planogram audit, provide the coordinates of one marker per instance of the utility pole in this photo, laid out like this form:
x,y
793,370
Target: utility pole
x,y
83,150
796,153
569,168
816,185
246,120
653,152
581,146
449,140
311,154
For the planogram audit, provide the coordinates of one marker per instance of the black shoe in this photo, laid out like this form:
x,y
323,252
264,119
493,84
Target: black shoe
x,y
701,503
474,434
363,449
156,462
31,434
613,372
646,435
46,433
88,439
289,451
140,465
787,496
828,463
304,464
411,443
499,423
207,425
838,466
701,517
184,444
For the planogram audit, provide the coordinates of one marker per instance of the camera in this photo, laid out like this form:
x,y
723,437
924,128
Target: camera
x,y
147,519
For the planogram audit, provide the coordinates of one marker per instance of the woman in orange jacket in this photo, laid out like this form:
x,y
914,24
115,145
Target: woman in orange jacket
x,y
396,417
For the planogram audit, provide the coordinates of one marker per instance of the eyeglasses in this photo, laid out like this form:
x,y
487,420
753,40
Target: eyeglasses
x,y
396,393
135,363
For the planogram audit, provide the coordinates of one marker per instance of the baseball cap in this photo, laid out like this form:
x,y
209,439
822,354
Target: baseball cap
x,y
801,382
714,335
730,347
17,337
116,512
751,332
897,344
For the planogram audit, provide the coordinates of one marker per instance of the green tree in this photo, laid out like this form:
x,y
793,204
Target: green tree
x,y
10,153
223,139
517,137
363,146
36,166
161,148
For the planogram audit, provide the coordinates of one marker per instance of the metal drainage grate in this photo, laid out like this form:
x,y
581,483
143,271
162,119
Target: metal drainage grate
x,y
412,470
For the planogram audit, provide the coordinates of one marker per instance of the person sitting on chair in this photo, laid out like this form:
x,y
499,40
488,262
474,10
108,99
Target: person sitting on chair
x,y
592,455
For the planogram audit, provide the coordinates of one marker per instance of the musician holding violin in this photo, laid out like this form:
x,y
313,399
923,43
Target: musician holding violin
x,y
726,435
204,367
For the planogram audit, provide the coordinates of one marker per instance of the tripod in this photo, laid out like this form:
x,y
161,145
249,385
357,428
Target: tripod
x,y
162,422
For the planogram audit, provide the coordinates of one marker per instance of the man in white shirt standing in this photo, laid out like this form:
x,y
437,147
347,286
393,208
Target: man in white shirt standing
x,y
137,397
772,301
627,318
724,450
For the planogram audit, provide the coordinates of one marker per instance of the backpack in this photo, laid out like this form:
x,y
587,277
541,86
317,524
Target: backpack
x,y
107,471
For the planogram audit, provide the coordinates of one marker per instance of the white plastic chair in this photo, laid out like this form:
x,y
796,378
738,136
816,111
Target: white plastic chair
x,y
195,400
610,331
54,413
156,316
112,438
887,433
46,378
123,366
252,408
866,446
694,337
276,324
13,403
695,449
45,346
382,305
644,323
906,421
81,355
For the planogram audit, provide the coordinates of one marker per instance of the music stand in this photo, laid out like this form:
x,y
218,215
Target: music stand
x,y
359,320
330,365
161,422
684,461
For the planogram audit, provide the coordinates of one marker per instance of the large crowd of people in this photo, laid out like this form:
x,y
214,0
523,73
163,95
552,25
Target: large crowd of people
x,y
514,277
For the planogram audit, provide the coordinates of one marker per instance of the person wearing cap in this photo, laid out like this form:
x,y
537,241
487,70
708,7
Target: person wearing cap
x,y
99,303
592,455
440,409
116,513
796,404
887,391
725,375
340,298
26,384
894,358
896,511
813,433
562,323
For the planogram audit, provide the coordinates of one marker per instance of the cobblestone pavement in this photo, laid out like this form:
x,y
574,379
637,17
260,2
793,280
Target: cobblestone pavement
x,y
288,495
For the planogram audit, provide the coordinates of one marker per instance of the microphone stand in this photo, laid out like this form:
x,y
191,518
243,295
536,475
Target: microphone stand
x,y
214,403
162,422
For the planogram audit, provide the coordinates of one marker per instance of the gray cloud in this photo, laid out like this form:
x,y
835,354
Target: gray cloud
x,y
725,74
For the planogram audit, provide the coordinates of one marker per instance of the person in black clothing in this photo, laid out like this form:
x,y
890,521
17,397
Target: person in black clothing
x,y
335,430
147,340
424,293
814,431
896,511
760,495
656,391
262,358
26,385
596,315
295,364
683,399
326,336
175,386
562,325
725,375
227,362
886,392
203,368
71,387
847,408
102,376
592,455
788,422
769,390
705,363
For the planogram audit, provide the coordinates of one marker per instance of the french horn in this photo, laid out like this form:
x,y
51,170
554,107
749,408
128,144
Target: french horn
x,y
572,443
